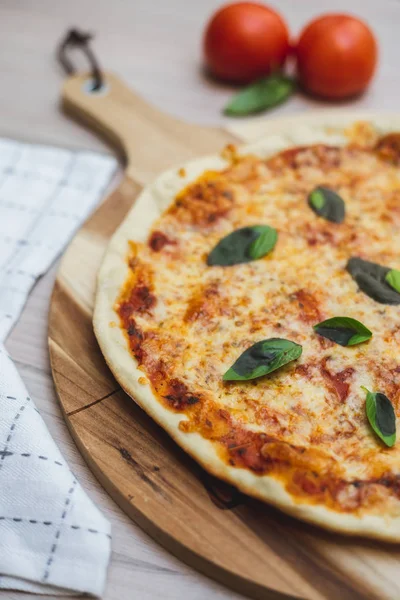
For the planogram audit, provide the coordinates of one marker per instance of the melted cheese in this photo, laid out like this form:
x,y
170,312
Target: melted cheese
x,y
305,423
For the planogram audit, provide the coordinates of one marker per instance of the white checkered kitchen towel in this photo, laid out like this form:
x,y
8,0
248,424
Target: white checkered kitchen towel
x,y
52,538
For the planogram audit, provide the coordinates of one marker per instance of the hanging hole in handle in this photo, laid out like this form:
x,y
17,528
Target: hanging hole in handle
x,y
89,87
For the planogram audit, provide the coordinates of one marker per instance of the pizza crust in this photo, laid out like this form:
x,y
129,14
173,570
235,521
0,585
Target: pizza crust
x,y
113,272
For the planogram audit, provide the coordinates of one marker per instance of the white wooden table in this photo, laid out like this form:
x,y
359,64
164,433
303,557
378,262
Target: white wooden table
x,y
155,46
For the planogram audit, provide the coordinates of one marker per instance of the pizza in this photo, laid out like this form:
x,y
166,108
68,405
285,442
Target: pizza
x,y
250,304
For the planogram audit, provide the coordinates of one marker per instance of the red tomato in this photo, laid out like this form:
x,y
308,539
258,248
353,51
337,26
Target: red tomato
x,y
336,56
245,41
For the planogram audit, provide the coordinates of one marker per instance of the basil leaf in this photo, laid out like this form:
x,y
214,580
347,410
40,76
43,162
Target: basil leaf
x,y
264,243
393,279
243,245
327,204
371,279
262,358
261,95
381,416
343,330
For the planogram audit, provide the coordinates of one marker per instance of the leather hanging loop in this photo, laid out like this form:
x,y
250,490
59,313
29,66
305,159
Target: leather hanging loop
x,y
78,39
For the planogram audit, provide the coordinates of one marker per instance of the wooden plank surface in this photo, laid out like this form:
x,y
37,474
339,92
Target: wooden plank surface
x,y
247,545
154,46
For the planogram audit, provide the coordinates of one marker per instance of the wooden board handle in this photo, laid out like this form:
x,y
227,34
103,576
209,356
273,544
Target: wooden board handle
x,y
149,140
103,110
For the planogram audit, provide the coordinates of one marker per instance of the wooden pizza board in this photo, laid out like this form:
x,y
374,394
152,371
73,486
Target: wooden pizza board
x,y
249,546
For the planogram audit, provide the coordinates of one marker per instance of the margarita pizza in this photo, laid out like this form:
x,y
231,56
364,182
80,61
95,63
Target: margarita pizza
x,y
250,304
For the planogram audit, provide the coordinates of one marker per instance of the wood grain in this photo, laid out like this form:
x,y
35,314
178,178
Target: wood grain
x,y
148,140
246,545
155,45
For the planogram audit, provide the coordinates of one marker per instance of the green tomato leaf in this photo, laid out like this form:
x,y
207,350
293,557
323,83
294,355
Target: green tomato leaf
x,y
327,204
261,95
263,358
371,279
381,416
243,245
343,330
393,279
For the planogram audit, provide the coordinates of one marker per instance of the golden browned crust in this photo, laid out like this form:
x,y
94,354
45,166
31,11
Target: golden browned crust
x,y
297,438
